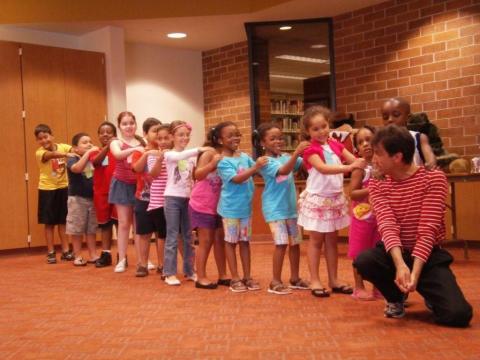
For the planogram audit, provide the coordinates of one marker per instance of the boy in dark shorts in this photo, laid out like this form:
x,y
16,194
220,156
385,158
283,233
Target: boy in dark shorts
x,y
52,190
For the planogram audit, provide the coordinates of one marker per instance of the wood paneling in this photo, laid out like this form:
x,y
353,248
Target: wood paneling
x,y
85,92
13,205
44,98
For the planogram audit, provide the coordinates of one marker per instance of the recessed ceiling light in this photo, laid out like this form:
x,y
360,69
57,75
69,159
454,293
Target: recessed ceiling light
x,y
177,35
318,46
302,58
286,27
290,77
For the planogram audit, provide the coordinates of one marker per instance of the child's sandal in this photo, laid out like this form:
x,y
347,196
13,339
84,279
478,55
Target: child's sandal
x,y
237,286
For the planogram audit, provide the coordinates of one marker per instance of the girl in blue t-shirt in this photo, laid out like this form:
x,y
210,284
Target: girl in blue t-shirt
x,y
279,205
235,205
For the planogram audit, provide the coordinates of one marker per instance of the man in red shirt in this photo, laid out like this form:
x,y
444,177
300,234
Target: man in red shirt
x,y
409,203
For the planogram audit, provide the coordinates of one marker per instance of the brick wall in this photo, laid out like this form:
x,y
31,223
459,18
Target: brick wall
x,y
226,89
426,51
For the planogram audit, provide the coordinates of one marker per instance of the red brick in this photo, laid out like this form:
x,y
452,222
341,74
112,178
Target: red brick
x,y
445,36
435,9
399,45
449,114
386,40
463,81
362,45
381,85
472,130
374,16
384,58
410,90
384,22
467,11
362,27
447,74
434,86
461,101
463,140
409,53
395,65
356,107
455,4
353,39
419,4
415,70
353,21
445,16
460,42
421,79
445,55
395,29
363,11
389,75
470,50
449,94
433,29
434,48
341,33
420,60
415,24
384,5
429,68
435,105
365,97
366,114
471,70
421,98
374,34
471,110
408,16
365,79
387,94
396,83
460,62
352,90
459,23
355,73
365,62
376,69
375,51
408,35
396,10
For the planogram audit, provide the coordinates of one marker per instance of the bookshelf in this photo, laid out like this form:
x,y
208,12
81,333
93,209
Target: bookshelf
x,y
286,111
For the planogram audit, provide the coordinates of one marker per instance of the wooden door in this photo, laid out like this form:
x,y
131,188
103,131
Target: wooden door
x,y
85,90
44,102
13,204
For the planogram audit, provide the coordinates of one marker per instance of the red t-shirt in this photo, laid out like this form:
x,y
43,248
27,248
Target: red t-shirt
x,y
102,175
144,180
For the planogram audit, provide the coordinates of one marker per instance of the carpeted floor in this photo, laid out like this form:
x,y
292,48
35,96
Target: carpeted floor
x,y
62,312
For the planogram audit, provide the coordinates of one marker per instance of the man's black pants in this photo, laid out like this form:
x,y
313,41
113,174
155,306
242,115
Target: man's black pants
x,y
436,284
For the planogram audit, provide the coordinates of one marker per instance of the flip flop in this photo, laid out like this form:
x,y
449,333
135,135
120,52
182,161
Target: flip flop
x,y
343,289
320,292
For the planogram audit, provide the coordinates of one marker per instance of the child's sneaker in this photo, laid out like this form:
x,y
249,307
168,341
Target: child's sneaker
x,y
278,289
238,286
193,277
394,310
172,280
299,285
121,266
51,257
104,260
142,271
151,266
251,284
67,256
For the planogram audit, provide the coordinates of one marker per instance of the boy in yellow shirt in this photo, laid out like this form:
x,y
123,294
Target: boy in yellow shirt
x,y
52,190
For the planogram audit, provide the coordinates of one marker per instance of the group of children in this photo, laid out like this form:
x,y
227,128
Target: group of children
x,y
165,190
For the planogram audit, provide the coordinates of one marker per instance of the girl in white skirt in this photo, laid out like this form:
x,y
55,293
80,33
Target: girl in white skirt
x,y
323,208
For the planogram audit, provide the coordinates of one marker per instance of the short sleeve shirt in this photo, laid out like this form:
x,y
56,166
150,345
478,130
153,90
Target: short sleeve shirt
x,y
235,199
80,184
53,173
279,198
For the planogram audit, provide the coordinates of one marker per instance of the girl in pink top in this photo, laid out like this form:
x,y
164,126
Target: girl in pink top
x,y
123,186
203,211
363,232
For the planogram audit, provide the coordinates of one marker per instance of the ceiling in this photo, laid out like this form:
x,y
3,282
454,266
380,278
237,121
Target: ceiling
x,y
208,23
